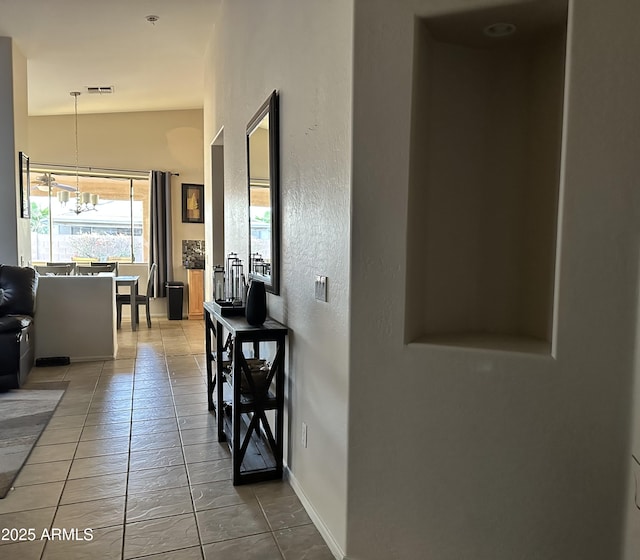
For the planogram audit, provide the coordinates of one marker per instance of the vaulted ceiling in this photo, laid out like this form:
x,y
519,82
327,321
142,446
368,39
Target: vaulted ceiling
x,y
71,45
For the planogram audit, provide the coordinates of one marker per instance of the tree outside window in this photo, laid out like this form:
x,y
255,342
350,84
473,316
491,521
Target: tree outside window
x,y
96,218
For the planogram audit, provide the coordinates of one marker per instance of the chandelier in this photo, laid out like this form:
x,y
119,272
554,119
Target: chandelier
x,y
84,200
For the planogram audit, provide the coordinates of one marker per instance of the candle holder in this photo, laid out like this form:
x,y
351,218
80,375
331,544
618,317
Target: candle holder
x,y
230,286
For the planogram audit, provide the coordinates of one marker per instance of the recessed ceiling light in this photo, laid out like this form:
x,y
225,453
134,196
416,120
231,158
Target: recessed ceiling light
x,y
499,29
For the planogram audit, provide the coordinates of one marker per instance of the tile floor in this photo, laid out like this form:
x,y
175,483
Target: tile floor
x,y
131,454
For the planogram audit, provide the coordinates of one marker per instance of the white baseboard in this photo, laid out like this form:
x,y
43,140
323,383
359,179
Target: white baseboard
x,y
334,547
90,358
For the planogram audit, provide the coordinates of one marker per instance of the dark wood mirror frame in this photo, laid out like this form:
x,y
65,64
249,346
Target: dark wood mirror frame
x,y
268,271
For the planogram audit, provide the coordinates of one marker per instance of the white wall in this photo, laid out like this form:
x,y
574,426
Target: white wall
x,y
76,317
163,140
487,455
14,231
302,49
20,100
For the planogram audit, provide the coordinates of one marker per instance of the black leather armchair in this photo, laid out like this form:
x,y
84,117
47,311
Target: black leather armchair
x,y
17,306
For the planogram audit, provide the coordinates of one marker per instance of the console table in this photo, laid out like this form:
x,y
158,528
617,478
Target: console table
x,y
244,407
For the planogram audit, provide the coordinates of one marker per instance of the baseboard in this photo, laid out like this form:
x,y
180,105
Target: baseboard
x,y
99,358
334,547
91,359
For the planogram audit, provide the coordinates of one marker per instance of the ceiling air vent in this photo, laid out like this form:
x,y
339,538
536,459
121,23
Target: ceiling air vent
x,y
100,89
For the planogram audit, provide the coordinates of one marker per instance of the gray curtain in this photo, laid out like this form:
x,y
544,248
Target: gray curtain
x,y
160,243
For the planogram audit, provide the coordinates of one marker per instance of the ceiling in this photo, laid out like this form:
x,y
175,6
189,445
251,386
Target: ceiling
x,y
71,45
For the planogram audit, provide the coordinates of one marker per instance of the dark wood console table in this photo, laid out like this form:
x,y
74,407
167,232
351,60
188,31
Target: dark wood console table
x,y
243,406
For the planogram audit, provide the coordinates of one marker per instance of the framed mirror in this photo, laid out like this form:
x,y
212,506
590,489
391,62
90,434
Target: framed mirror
x,y
263,165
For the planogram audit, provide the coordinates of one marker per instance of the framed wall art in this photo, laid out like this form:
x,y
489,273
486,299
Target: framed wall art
x,y
25,185
192,203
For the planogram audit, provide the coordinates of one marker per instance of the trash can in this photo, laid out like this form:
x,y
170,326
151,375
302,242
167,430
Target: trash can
x,y
175,294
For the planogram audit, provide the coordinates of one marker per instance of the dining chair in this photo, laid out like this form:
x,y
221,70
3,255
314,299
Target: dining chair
x,y
57,270
140,299
111,266
92,270
71,264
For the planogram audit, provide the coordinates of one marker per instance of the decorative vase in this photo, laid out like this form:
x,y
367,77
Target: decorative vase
x,y
256,309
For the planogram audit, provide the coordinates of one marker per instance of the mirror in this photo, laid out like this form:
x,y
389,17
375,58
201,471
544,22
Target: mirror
x,y
264,195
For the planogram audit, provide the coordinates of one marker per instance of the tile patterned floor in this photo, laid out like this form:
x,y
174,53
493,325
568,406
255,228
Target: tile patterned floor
x,y
131,454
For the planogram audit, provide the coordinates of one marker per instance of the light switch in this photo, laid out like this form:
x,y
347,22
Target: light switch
x,y
321,288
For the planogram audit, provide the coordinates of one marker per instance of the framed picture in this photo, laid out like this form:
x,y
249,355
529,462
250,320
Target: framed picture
x,y
192,203
25,185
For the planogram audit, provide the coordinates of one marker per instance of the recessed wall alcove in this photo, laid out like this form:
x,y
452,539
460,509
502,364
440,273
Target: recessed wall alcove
x,y
484,180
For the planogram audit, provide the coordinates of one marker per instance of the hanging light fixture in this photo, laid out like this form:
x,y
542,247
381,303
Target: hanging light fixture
x,y
84,200
47,181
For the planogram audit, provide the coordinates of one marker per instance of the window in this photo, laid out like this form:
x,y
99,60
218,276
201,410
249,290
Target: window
x,y
89,217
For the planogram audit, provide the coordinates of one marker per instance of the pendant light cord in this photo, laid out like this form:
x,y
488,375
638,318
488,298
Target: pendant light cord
x,y
75,103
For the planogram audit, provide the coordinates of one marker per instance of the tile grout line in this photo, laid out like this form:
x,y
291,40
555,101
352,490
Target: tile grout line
x,y
126,486
57,507
271,530
184,458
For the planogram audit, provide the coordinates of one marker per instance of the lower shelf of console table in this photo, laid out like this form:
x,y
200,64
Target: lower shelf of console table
x,y
250,415
258,460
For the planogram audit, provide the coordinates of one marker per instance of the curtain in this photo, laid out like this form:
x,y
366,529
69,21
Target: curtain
x,y
160,242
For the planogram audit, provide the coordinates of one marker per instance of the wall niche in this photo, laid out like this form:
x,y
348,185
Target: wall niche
x,y
486,146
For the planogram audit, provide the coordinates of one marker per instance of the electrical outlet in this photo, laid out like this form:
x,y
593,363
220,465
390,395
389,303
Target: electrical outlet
x,y
304,435
321,288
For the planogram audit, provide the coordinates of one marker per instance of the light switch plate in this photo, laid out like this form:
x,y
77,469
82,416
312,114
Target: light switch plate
x,y
321,288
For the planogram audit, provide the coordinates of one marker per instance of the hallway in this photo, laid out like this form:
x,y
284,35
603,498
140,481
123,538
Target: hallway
x,y
131,453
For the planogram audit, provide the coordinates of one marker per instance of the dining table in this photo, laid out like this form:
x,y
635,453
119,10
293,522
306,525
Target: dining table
x,y
132,282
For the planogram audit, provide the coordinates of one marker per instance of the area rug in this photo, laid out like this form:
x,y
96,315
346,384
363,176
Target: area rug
x,y
24,414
